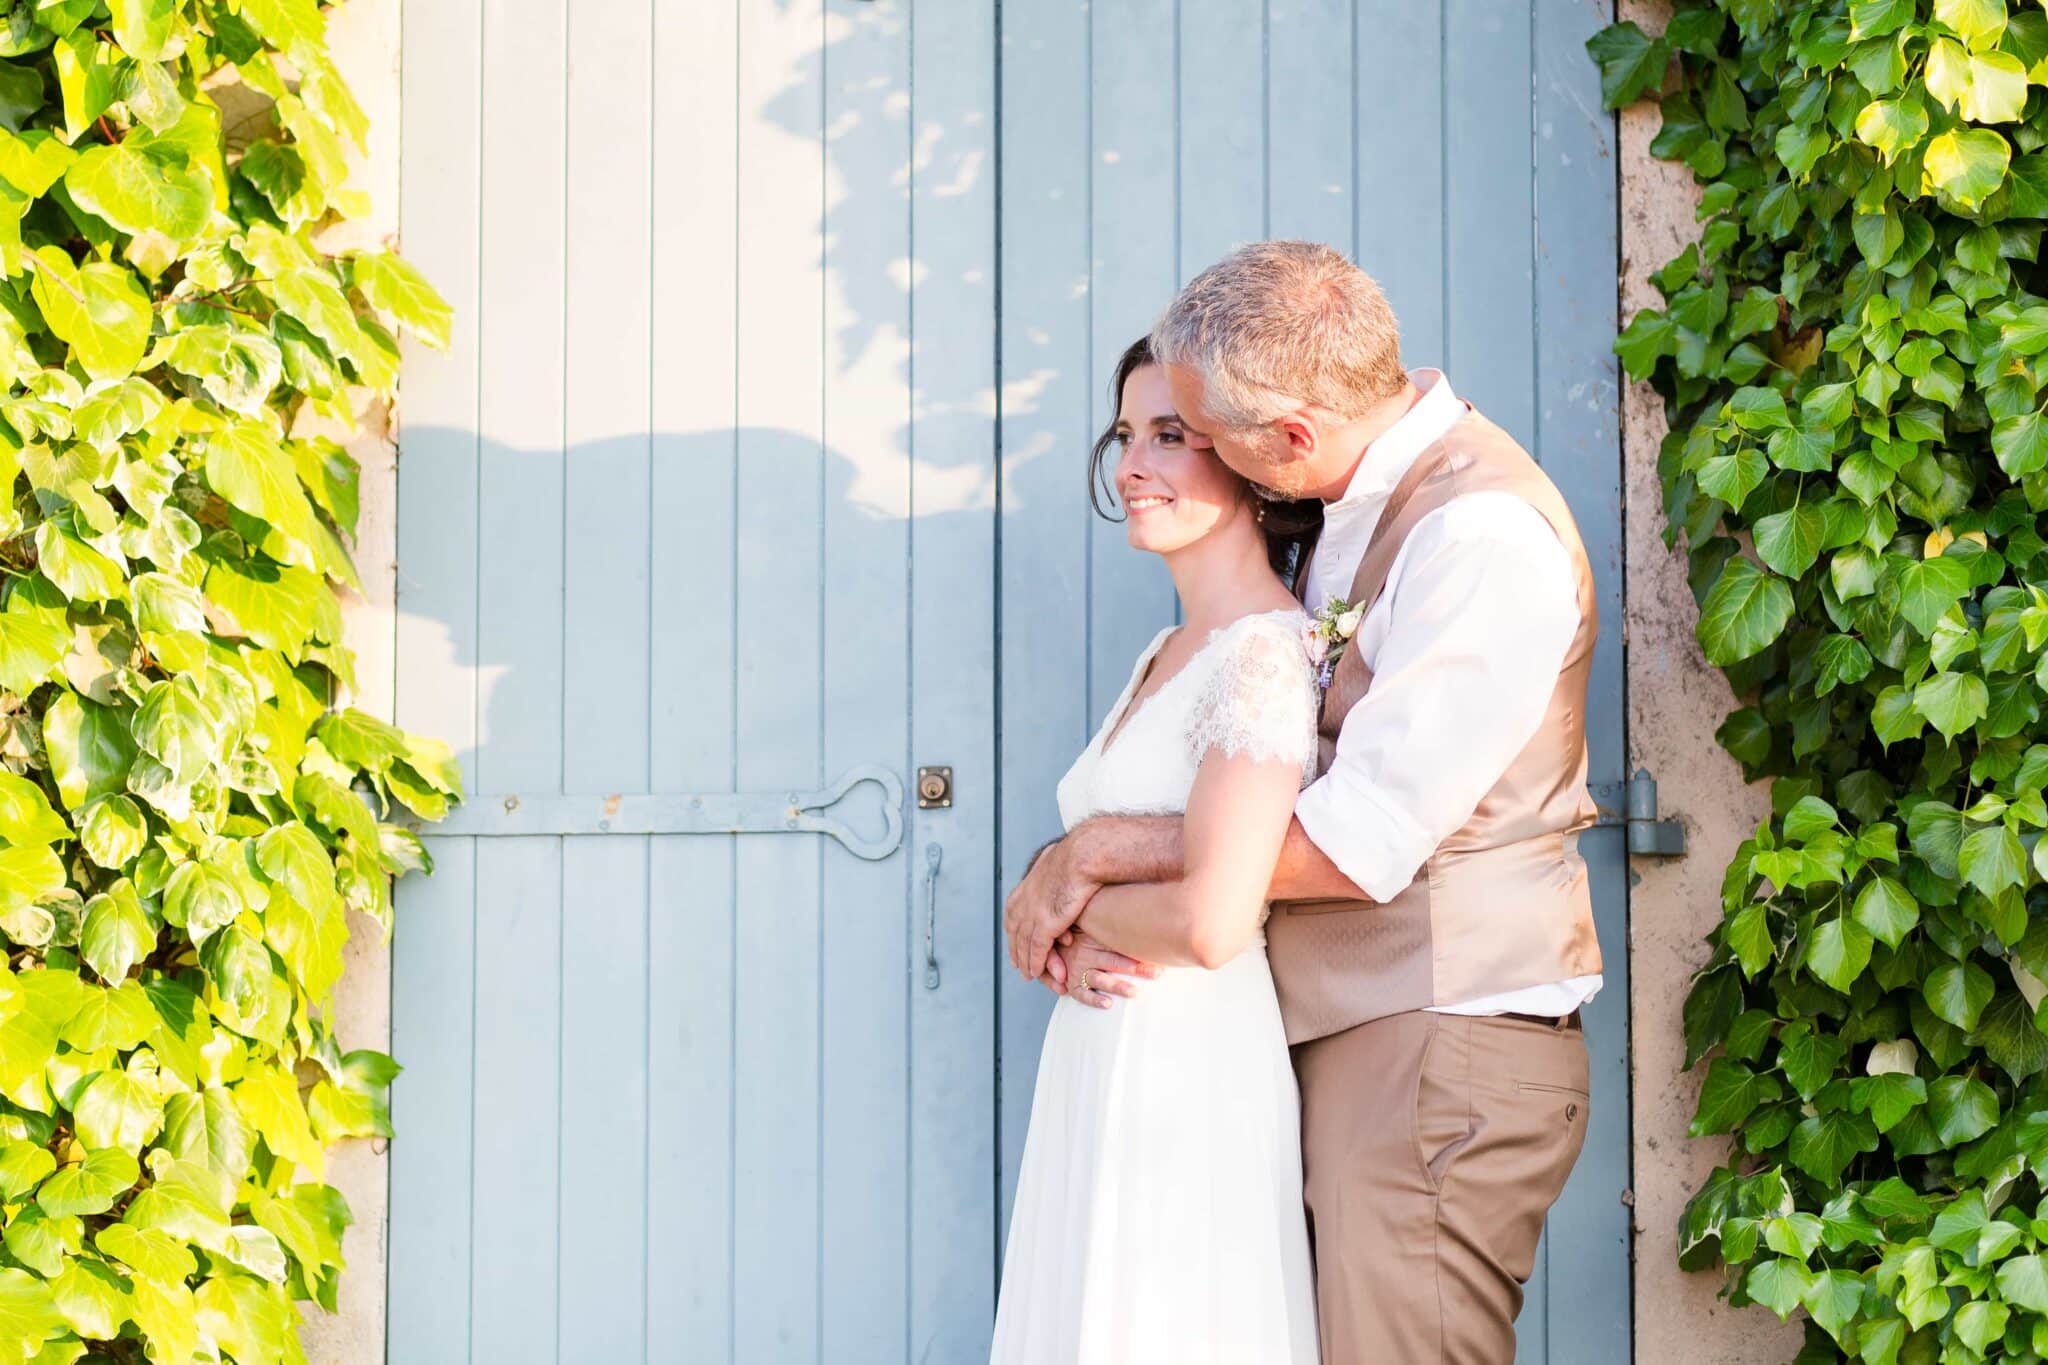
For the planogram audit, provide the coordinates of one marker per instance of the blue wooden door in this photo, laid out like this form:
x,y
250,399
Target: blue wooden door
x,y
700,504
1457,149
757,464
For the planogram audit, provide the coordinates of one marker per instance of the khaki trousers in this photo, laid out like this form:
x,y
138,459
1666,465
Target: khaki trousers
x,y
1432,1147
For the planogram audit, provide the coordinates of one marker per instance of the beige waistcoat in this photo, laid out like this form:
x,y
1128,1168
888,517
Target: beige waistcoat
x,y
1503,903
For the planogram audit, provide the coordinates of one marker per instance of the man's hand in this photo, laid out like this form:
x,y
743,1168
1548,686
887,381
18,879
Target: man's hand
x,y
1109,974
1045,905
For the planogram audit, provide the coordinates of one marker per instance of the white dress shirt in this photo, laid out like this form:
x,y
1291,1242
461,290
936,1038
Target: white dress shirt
x,y
1464,645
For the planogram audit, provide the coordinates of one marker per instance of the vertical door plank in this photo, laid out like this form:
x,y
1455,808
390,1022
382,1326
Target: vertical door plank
x,y
1130,596
692,741
432,982
513,1297
1578,427
1048,379
606,514
1401,140
1310,94
863,677
952,1167
1221,151
433,987
781,424
519,317
1490,215
518,1156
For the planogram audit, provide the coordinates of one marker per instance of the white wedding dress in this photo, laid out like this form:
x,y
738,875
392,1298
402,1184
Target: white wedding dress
x,y
1159,1216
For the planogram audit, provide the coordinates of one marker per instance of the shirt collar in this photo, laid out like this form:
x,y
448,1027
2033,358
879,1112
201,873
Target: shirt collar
x,y
1389,456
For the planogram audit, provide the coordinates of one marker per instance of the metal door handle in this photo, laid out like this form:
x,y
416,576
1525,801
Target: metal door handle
x,y
932,854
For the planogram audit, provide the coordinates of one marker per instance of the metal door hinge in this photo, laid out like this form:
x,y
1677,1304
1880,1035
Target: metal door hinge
x,y
1634,804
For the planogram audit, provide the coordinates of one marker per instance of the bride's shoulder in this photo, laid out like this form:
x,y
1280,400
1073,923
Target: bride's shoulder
x,y
1259,697
1266,646
1279,635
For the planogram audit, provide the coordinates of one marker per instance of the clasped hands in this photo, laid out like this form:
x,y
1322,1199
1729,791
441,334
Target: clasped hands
x,y
1040,918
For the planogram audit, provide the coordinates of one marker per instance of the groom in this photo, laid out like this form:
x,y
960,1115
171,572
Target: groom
x,y
1432,934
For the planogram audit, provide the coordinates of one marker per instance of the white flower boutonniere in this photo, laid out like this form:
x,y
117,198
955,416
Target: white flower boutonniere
x,y
1328,634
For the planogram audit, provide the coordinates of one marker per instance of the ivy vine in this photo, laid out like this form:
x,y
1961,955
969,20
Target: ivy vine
x,y
1853,357
181,831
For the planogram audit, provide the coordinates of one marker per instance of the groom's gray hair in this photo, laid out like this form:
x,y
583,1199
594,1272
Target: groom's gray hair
x,y
1274,326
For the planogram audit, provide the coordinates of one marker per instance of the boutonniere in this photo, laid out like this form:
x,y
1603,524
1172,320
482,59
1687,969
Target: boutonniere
x,y
1328,634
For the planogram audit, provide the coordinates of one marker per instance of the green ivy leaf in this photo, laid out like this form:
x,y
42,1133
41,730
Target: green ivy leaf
x,y
269,1099
28,1312
1839,952
1957,992
1952,702
1834,1298
2021,443
1966,164
395,286
144,28
1778,1284
1824,1144
90,1186
1892,126
1790,541
90,1299
1809,1059
1888,1098
151,1254
1929,587
1875,19
2007,1033
117,1110
1992,859
1961,1109
1729,1094
1744,613
23,1165
138,193
1748,936
99,309
1887,910
245,466
1734,476
1631,62
2023,1280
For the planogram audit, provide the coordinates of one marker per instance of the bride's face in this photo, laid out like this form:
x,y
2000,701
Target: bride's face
x,y
1173,494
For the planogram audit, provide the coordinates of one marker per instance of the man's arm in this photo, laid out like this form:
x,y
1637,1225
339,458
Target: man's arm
x,y
1124,850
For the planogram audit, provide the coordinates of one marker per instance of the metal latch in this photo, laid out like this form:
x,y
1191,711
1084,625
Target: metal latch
x,y
772,812
1634,803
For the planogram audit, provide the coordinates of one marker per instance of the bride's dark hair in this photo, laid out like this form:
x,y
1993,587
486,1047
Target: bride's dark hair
x,y
1289,524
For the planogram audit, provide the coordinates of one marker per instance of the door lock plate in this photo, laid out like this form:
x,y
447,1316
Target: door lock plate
x,y
934,788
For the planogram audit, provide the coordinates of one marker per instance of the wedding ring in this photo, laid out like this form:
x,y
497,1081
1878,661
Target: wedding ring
x,y
1086,973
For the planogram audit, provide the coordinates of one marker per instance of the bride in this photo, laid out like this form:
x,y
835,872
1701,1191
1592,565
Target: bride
x,y
1159,1215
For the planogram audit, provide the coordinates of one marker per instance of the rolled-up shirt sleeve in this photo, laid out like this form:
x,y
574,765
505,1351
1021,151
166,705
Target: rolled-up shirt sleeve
x,y
1479,612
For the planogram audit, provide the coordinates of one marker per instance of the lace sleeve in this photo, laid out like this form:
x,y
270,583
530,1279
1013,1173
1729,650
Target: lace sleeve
x,y
1260,698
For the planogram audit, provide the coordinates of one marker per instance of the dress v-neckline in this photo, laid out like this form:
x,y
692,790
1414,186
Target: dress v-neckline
x,y
1131,704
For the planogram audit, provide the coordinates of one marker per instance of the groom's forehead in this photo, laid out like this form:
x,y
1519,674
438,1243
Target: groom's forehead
x,y
1188,391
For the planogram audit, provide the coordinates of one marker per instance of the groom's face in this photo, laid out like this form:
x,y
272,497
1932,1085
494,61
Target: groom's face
x,y
1261,454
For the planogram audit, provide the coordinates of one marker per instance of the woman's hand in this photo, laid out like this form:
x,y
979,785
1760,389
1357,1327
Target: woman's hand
x,y
1077,958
